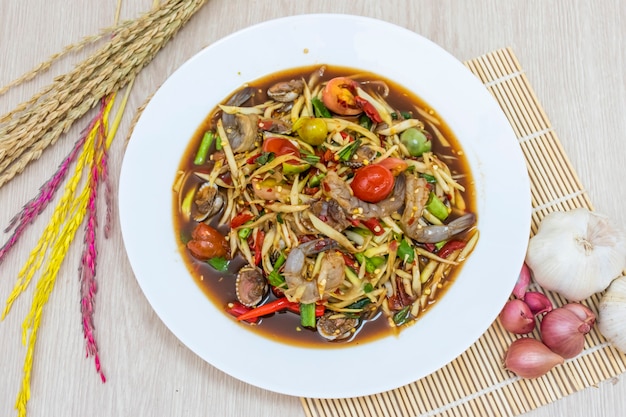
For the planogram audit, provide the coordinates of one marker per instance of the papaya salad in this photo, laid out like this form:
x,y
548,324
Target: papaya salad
x,y
326,196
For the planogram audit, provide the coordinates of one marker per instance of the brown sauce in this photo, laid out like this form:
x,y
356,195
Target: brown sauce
x,y
220,287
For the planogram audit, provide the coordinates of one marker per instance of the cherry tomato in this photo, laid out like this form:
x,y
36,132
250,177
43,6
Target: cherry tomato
x,y
280,146
339,96
416,141
207,243
372,183
395,165
313,131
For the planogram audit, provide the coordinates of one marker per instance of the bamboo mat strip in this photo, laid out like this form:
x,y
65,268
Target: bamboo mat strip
x,y
475,384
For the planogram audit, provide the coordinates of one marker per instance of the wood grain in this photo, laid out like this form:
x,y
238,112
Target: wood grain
x,y
573,53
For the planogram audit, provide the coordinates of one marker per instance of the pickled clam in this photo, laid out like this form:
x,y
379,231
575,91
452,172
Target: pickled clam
x,y
207,202
336,326
250,286
286,91
363,156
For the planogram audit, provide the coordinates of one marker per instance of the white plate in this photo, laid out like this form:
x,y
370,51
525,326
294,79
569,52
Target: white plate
x,y
456,321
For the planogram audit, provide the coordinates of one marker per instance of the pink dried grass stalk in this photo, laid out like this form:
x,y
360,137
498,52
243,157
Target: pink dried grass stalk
x,y
87,269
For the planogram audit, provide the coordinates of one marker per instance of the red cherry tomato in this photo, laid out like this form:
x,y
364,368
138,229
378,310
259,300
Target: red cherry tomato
x,y
339,96
206,243
280,146
395,165
372,183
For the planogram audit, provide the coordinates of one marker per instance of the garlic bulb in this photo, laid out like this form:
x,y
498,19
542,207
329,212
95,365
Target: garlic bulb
x,y
612,313
576,253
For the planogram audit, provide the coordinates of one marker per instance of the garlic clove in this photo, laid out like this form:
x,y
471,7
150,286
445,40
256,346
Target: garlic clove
x,y
576,253
612,314
529,358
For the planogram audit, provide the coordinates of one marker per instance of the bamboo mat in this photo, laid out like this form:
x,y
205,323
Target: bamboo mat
x,y
475,384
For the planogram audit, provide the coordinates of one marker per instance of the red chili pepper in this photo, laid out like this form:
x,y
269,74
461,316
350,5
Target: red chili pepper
x,y
237,309
328,156
344,135
278,292
430,247
252,159
369,109
272,307
353,221
349,261
450,247
240,219
258,245
374,225
310,190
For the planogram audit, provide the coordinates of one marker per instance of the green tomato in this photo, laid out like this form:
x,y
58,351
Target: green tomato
x,y
415,141
313,131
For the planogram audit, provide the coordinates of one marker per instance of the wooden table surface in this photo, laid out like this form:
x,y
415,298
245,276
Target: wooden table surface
x,y
573,52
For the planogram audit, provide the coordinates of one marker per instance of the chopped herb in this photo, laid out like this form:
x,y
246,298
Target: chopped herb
x,y
401,316
219,263
275,278
365,121
319,108
406,115
311,159
406,252
265,158
348,152
279,218
429,178
359,305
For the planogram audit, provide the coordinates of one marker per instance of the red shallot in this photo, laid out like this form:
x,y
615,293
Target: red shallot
x,y
523,281
529,358
538,302
516,317
563,329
